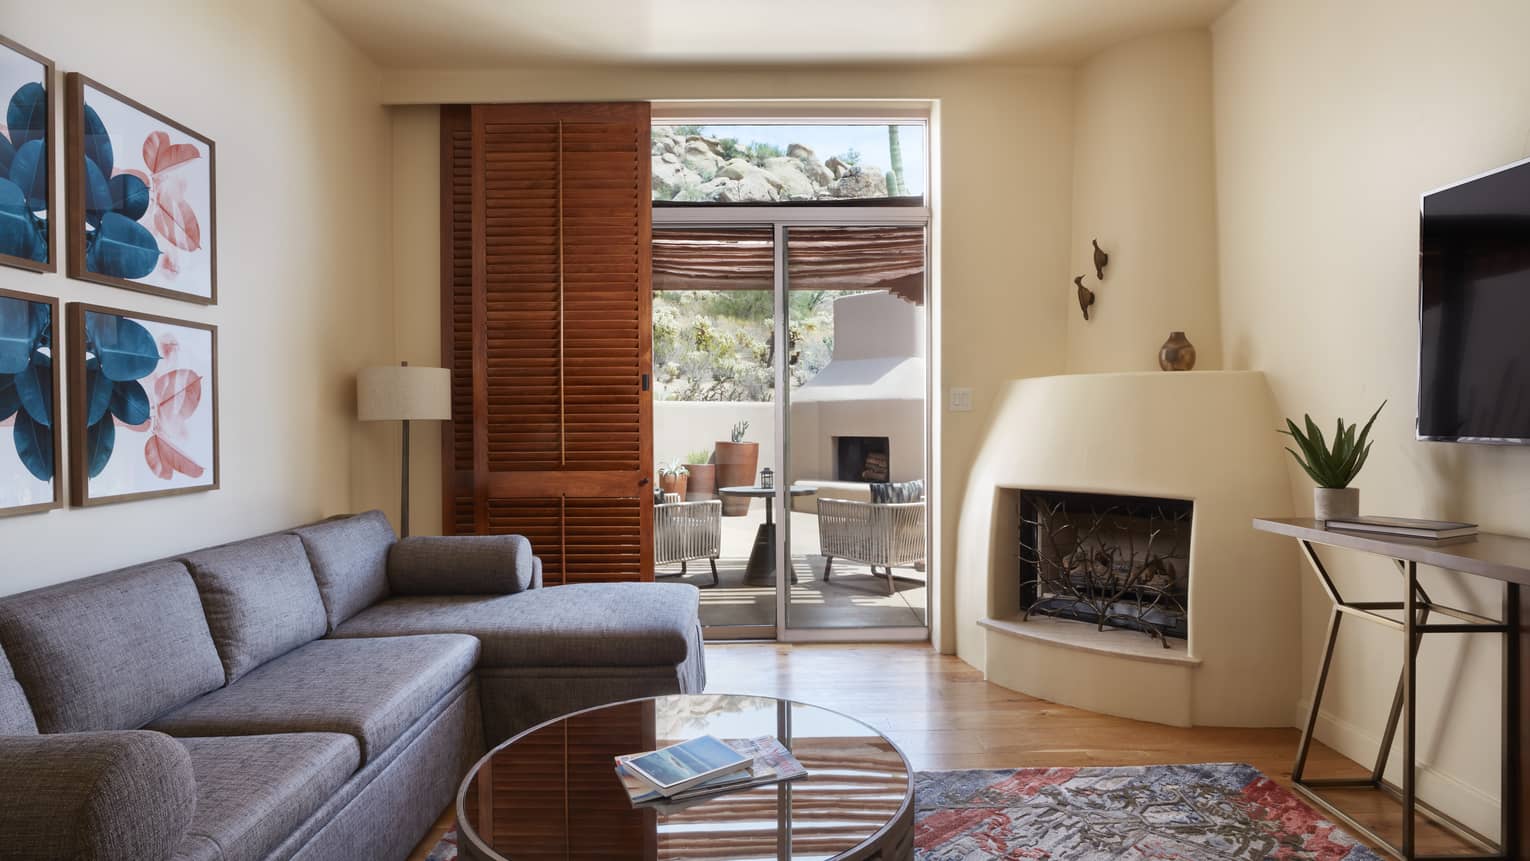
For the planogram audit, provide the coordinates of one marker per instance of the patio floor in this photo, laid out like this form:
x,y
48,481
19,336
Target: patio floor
x,y
852,599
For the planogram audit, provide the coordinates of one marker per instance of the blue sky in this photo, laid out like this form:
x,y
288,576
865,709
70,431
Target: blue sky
x,y
829,140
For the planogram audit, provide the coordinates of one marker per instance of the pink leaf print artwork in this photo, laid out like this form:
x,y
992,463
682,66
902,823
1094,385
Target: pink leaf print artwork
x,y
176,398
166,460
175,394
174,219
160,155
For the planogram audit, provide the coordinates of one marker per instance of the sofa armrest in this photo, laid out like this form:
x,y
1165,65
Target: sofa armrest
x,y
94,795
462,565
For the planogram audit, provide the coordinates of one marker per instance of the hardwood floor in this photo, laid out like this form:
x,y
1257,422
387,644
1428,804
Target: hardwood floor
x,y
943,715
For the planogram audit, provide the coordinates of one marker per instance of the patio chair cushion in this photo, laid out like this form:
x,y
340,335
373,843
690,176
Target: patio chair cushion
x,y
884,493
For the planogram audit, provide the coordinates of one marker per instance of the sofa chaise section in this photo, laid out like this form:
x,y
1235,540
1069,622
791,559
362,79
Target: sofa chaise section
x,y
545,651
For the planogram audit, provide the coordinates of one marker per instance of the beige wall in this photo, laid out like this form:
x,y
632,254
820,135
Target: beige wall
x,y
1331,119
1143,184
302,185
1003,165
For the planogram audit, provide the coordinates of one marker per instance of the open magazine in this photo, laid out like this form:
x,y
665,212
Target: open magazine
x,y
773,763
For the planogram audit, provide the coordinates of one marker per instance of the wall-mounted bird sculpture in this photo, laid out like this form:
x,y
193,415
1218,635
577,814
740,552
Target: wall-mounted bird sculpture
x,y
1100,260
1085,296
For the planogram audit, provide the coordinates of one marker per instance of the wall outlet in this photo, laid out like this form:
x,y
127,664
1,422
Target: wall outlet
x,y
961,400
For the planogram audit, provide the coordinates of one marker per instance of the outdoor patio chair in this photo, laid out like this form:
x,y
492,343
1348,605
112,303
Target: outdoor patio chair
x,y
683,531
880,534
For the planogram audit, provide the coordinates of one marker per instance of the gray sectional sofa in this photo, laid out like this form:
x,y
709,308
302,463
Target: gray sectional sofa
x,y
312,694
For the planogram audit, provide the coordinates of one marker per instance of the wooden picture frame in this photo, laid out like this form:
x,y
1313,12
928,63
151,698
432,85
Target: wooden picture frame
x,y
44,151
148,196
161,380
11,425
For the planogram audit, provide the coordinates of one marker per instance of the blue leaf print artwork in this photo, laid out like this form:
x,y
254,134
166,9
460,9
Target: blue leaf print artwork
x,y
26,381
24,180
119,353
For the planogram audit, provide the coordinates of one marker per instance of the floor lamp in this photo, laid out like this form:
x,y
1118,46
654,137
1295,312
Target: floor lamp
x,y
394,393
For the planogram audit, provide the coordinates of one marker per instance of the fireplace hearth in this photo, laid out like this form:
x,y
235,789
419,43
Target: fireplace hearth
x,y
1115,561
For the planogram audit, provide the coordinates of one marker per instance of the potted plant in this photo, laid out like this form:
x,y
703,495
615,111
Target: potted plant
x,y
736,462
703,479
1332,465
672,478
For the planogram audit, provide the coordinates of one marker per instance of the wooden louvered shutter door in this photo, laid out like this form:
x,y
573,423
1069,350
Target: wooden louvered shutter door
x,y
554,347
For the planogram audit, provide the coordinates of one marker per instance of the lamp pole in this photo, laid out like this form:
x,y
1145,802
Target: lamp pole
x,y
403,517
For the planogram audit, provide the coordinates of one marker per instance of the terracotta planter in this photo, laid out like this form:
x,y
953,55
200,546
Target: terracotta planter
x,y
703,481
673,484
736,463
1335,503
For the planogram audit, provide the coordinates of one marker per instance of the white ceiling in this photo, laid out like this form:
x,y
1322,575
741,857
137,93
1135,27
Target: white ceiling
x,y
469,33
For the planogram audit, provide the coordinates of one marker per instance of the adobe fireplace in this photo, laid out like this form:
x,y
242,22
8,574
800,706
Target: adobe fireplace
x,y
1117,561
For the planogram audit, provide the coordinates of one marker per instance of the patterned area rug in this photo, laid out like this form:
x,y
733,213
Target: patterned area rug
x,y
1210,812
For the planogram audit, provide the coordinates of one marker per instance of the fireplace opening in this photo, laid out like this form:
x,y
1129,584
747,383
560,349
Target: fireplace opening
x,y
1115,561
861,458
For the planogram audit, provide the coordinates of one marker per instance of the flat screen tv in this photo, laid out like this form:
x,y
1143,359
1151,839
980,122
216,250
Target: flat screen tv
x,y
1474,309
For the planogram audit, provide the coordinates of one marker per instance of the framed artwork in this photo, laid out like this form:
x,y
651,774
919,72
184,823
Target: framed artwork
x,y
143,405
141,197
27,235
31,436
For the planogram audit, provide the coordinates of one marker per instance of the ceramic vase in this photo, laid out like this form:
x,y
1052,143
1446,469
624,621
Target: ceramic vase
x,y
1335,503
1177,353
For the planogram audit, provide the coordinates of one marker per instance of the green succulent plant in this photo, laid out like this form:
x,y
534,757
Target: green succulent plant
x,y
699,456
738,431
673,469
1331,465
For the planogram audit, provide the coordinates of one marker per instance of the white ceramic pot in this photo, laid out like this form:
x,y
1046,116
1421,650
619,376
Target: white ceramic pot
x,y
1335,503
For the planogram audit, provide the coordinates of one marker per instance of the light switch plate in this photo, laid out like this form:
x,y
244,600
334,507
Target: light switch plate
x,y
961,400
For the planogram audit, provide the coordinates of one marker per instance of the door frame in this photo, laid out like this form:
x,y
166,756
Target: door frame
x,y
781,219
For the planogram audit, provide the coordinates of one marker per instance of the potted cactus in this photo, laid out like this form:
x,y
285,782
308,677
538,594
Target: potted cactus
x,y
703,475
1333,466
672,478
736,463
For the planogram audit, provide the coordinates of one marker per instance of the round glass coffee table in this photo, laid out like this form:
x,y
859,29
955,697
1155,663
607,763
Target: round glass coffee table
x,y
552,791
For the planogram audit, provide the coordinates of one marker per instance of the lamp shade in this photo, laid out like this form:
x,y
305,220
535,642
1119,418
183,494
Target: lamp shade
x,y
403,393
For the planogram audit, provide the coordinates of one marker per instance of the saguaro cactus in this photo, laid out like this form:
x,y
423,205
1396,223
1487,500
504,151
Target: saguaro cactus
x,y
896,187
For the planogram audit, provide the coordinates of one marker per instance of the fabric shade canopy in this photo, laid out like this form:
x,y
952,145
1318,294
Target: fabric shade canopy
x,y
818,258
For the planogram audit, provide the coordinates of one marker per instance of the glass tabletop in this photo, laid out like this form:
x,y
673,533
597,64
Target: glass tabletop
x,y
553,792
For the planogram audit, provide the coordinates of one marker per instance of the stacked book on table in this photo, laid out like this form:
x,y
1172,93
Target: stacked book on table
x,y
1406,527
681,774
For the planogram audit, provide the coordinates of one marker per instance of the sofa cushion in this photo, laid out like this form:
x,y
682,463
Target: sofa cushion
x,y
582,625
15,714
350,561
252,791
372,690
260,598
111,651
460,565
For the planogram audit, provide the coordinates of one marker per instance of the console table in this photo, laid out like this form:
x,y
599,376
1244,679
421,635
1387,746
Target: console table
x,y
1497,557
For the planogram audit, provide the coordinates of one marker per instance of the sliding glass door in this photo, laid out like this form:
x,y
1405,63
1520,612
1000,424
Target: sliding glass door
x,y
791,373
856,426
